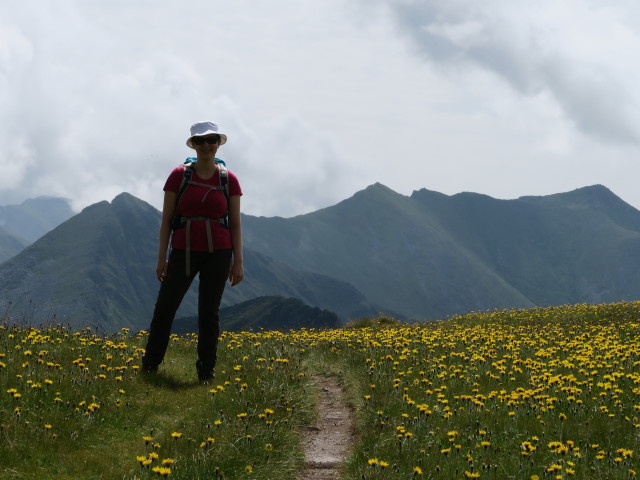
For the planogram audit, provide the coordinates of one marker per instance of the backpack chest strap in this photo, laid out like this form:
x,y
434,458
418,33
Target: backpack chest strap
x,y
210,187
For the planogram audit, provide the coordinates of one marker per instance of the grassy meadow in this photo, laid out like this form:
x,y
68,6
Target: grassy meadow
x,y
547,393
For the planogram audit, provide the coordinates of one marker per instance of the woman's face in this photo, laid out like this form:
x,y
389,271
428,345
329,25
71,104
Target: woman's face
x,y
206,144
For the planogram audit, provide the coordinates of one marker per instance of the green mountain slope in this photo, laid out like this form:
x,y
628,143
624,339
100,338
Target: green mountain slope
x,y
431,255
93,269
574,247
387,246
98,268
265,276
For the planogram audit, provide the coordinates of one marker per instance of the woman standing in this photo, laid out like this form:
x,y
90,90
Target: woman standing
x,y
201,216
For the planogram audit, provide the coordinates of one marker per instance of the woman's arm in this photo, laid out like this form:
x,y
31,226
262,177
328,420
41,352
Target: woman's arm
x,y
236,274
168,210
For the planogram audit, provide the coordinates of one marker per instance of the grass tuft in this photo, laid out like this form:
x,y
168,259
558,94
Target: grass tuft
x,y
381,321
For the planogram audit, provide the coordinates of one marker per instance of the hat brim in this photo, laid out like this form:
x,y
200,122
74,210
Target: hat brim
x,y
223,138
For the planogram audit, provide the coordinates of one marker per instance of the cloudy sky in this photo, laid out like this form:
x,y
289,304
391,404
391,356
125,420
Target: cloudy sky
x,y
320,98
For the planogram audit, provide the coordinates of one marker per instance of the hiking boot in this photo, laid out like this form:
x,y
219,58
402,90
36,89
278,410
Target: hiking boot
x,y
149,368
205,374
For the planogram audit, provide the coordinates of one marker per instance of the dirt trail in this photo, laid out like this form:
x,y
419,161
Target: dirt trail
x,y
327,442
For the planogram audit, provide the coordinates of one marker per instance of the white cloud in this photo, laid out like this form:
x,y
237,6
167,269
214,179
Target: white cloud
x,y
577,51
108,96
320,99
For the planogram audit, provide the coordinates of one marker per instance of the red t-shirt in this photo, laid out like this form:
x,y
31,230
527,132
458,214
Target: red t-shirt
x,y
198,201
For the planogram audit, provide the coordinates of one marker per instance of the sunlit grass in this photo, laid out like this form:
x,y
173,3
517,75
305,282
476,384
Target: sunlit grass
x,y
75,405
542,393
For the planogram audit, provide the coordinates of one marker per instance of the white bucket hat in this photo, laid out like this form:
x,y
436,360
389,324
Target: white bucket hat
x,y
200,129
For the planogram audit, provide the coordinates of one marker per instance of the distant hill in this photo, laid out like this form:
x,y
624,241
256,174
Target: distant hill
x,y
98,268
430,255
269,313
10,244
34,217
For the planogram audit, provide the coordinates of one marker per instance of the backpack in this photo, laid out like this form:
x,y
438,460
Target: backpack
x,y
179,221
223,177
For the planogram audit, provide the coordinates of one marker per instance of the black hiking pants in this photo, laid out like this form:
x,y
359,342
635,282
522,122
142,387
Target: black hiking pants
x,y
214,271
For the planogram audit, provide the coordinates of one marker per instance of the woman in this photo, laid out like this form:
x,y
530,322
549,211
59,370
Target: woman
x,y
206,238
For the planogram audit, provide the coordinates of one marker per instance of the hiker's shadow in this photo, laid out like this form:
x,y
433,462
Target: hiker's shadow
x,y
163,380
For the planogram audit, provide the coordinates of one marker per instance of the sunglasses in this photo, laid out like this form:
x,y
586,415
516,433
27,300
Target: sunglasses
x,y
211,140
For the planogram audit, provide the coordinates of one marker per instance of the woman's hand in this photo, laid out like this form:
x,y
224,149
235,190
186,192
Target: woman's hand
x,y
161,269
168,209
236,274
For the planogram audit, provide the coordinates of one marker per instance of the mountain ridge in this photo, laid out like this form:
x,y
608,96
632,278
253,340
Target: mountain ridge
x,y
98,268
453,244
420,257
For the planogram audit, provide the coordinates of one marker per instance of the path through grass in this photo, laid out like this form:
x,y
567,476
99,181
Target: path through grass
x,y
328,440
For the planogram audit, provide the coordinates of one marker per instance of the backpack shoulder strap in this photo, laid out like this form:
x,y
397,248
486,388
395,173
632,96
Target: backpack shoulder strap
x,y
186,177
223,176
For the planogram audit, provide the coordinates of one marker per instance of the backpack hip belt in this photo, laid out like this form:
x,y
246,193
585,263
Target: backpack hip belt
x,y
207,220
